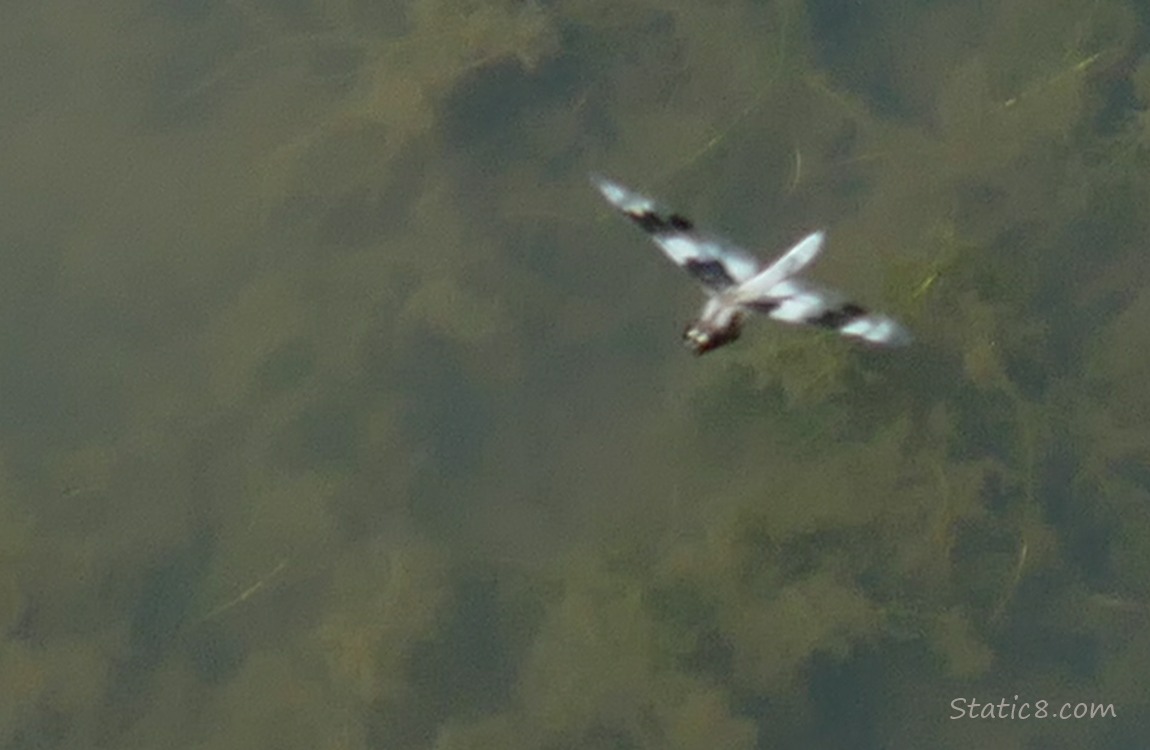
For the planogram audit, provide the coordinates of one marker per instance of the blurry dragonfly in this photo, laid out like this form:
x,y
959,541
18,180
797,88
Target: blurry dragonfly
x,y
737,283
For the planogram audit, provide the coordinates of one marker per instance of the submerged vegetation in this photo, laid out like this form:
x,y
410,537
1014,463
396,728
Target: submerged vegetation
x,y
401,450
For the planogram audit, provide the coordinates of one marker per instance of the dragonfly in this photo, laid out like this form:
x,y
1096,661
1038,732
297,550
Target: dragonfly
x,y
738,284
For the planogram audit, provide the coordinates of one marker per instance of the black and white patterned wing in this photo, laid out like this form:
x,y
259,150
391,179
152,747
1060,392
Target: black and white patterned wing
x,y
714,262
798,301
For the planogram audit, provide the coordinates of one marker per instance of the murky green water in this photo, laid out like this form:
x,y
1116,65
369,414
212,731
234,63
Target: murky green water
x,y
336,410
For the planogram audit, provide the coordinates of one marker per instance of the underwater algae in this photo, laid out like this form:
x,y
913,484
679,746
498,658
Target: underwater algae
x,y
853,536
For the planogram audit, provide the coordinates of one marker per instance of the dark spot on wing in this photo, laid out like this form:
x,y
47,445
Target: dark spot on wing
x,y
840,317
710,272
647,221
653,223
764,305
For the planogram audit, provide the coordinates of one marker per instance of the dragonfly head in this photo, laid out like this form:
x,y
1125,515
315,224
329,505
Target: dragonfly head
x,y
702,338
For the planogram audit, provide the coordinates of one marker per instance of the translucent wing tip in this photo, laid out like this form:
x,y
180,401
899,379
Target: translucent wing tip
x,y
878,329
622,198
611,190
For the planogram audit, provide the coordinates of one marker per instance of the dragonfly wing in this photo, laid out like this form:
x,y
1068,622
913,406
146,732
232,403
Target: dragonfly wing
x,y
714,262
788,264
797,301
